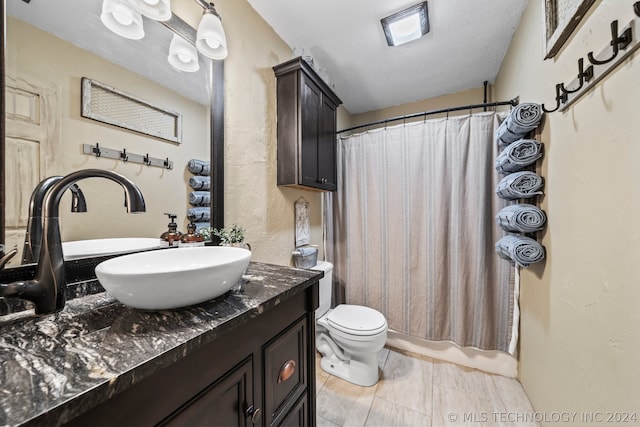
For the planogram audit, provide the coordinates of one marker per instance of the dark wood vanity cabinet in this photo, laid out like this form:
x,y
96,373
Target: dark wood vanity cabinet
x,y
261,373
306,128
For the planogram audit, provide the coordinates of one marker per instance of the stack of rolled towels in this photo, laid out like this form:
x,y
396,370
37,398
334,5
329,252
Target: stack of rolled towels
x,y
518,153
200,197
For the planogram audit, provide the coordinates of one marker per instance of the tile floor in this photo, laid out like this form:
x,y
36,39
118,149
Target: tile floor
x,y
418,391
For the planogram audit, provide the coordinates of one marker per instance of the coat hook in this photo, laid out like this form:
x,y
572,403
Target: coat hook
x,y
583,75
166,163
146,159
617,43
96,150
123,155
561,96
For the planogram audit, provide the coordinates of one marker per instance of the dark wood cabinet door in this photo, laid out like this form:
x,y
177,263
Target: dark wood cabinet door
x,y
224,403
310,107
327,146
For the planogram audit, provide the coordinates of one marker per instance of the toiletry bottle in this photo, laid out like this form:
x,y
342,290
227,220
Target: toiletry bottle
x,y
172,236
191,238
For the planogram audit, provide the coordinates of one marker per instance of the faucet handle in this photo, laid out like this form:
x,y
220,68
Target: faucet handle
x,y
7,257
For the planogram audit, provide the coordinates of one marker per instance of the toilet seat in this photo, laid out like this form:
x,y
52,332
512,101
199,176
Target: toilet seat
x,y
356,320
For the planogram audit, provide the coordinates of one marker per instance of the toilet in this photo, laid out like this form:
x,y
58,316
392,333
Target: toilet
x,y
349,337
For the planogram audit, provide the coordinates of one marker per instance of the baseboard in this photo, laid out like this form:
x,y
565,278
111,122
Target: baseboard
x,y
496,362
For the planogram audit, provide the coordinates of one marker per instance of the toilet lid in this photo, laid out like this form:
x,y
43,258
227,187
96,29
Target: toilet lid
x,y
357,320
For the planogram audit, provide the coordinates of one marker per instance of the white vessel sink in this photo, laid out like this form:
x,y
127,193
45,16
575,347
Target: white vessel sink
x,y
173,278
99,247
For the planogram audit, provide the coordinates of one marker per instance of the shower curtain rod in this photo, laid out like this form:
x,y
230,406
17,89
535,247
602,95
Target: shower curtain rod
x,y
513,102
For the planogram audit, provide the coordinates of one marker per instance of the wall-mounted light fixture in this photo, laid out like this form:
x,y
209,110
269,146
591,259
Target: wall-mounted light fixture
x,y
122,19
183,55
407,25
211,40
159,10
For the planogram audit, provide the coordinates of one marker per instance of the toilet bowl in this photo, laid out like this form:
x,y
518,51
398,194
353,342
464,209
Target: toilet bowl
x,y
349,337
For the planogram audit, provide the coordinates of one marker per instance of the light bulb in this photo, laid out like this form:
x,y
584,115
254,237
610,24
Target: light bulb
x,y
152,2
184,58
213,44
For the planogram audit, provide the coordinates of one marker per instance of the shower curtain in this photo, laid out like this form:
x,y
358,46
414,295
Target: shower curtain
x,y
414,231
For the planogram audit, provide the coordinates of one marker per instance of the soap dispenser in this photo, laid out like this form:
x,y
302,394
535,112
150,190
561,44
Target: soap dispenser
x,y
172,236
191,238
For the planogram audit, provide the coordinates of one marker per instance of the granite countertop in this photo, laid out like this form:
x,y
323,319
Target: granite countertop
x,y
56,366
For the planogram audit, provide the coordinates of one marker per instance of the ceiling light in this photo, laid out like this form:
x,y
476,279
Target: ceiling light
x,y
183,55
159,10
407,25
119,17
211,40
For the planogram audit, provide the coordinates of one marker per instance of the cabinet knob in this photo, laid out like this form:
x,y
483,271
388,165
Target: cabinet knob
x,y
286,371
254,413
322,180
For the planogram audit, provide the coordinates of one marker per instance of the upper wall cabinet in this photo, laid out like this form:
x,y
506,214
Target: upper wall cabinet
x,y
306,128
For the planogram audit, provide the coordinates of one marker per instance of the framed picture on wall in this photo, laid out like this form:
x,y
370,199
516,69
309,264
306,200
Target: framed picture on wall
x,y
561,18
303,233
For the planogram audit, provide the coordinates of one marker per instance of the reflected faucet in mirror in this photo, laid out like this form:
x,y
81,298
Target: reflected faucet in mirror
x,y
47,290
33,238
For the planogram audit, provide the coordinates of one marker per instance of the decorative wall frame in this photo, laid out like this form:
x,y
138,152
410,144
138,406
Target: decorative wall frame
x,y
561,19
303,233
107,104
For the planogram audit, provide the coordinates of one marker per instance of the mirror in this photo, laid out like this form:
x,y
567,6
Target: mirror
x,y
49,47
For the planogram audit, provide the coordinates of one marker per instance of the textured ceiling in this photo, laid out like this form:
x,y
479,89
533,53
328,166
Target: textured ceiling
x,y
465,46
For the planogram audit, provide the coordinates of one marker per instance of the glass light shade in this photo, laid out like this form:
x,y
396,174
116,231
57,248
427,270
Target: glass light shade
x,y
406,25
159,10
119,17
183,55
211,40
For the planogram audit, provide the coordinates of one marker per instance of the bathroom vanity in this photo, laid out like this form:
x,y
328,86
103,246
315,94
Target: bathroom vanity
x,y
247,357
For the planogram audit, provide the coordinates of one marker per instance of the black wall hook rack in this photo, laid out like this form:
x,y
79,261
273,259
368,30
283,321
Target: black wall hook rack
x,y
125,156
622,45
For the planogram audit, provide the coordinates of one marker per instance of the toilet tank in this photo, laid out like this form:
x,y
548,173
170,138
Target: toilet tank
x,y
326,285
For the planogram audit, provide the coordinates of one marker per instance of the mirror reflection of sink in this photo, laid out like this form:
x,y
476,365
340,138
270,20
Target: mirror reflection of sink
x,y
100,247
173,278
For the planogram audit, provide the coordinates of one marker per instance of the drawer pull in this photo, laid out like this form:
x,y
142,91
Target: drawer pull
x,y
287,370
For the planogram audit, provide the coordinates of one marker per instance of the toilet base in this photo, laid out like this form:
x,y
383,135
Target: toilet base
x,y
362,371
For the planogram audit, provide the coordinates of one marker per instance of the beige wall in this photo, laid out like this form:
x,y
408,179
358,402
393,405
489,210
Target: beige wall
x,y
46,60
580,334
467,97
252,197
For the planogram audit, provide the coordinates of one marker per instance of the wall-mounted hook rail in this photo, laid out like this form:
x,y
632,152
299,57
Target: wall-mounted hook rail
x,y
622,45
126,156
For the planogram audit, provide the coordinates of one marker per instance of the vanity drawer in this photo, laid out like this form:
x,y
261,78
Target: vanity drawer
x,y
285,369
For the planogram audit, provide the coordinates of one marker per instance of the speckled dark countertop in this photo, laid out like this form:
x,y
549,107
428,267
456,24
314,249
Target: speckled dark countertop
x,y
56,366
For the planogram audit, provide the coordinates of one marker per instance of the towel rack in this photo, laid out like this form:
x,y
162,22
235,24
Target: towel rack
x,y
621,46
126,156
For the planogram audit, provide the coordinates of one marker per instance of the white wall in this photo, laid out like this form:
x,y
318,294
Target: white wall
x,y
580,335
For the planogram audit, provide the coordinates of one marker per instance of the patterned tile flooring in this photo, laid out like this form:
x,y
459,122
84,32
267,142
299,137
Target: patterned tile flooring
x,y
419,391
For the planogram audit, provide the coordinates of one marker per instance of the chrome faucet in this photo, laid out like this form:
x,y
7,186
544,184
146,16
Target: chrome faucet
x,y
33,238
47,289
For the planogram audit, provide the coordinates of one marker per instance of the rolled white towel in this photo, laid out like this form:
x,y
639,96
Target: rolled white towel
x,y
521,250
200,182
198,214
521,120
199,167
521,218
199,198
518,155
519,185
